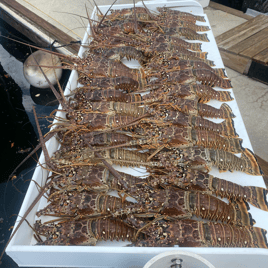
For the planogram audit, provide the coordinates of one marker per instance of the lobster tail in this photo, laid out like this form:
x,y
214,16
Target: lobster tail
x,y
226,111
243,217
224,83
259,235
203,37
220,72
228,128
209,78
200,28
206,93
257,197
252,166
246,163
140,78
223,96
195,46
235,145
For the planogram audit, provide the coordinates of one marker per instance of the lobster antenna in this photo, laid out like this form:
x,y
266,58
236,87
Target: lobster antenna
x,y
148,11
57,95
106,14
109,167
41,193
97,7
91,27
44,148
135,17
49,136
39,48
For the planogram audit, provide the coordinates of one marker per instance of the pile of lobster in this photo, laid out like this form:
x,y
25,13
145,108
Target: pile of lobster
x,y
153,118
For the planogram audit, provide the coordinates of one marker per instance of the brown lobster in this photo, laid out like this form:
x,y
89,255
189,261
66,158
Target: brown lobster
x,y
204,76
199,181
182,65
85,232
157,233
203,158
98,178
165,12
191,233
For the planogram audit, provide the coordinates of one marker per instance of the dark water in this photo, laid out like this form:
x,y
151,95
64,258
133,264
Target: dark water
x,y
18,128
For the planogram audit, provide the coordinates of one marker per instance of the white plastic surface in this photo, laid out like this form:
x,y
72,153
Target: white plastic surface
x,y
112,254
203,3
183,258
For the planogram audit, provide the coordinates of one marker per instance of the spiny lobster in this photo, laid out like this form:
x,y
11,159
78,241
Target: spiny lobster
x,y
191,233
85,232
171,202
160,233
195,158
98,178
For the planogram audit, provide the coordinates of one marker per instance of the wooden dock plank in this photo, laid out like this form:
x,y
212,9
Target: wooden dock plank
x,y
250,41
262,57
42,24
256,48
245,48
236,62
229,35
230,10
238,36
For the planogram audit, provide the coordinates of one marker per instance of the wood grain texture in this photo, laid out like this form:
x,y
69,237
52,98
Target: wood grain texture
x,y
256,48
235,62
262,57
250,41
242,31
42,24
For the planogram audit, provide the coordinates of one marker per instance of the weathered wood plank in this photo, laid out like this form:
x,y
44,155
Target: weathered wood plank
x,y
256,48
260,21
250,41
42,24
230,10
242,34
262,57
22,29
235,62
